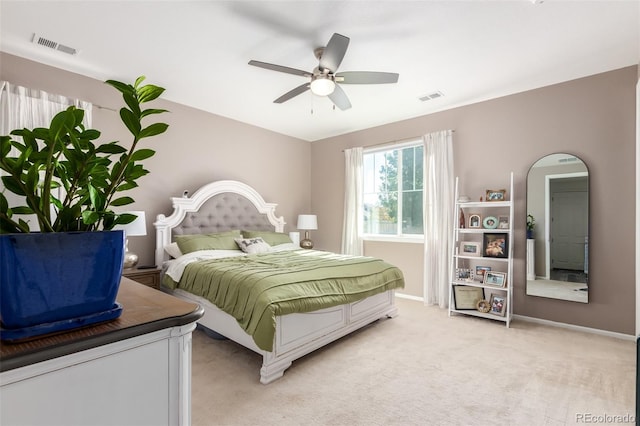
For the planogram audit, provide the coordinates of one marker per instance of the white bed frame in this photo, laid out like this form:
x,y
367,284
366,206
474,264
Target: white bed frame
x,y
296,334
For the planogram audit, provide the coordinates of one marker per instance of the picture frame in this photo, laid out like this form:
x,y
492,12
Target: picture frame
x,y
498,279
481,271
498,304
464,274
465,298
475,220
496,195
490,222
495,245
470,248
503,222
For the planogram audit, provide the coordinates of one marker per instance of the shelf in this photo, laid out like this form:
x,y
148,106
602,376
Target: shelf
x,y
494,259
480,314
479,284
483,230
472,239
484,204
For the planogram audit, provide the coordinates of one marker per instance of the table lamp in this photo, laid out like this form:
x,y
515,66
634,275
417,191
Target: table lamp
x,y
134,229
307,222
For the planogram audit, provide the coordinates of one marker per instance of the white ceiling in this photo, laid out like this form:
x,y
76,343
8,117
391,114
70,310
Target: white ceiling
x,y
198,50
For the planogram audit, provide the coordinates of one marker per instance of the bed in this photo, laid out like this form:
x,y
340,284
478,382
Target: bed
x,y
224,207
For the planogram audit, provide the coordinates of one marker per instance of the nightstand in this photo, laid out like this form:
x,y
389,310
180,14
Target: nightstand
x,y
148,277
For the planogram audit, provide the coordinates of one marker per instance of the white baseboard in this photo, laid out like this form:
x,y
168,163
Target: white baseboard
x,y
410,297
577,328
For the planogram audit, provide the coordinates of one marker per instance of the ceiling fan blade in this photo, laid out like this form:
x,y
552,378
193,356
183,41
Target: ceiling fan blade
x,y
293,93
334,52
280,68
339,98
366,77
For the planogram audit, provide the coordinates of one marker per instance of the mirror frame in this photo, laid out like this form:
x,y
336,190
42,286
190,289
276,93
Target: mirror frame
x,y
528,259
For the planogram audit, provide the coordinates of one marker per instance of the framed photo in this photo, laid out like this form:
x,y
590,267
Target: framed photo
x,y
503,222
495,245
464,274
496,195
490,222
498,304
466,297
475,220
495,278
481,272
469,248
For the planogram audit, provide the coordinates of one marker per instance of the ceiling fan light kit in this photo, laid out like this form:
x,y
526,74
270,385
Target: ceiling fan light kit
x,y
324,78
322,85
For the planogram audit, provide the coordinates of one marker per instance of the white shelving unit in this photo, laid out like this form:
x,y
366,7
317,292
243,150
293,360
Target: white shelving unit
x,y
469,254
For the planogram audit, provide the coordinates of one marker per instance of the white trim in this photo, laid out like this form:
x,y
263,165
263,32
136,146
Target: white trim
x,y
576,327
394,238
392,146
409,297
637,274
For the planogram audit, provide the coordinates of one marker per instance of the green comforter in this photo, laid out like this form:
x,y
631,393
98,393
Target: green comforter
x,y
254,289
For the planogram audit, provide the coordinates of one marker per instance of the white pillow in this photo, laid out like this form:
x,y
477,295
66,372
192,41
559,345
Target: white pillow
x,y
173,250
253,245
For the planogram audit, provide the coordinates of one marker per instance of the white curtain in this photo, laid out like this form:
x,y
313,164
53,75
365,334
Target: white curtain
x,y
438,216
21,107
353,216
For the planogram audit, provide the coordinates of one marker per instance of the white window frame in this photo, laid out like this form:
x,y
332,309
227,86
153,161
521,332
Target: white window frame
x,y
398,237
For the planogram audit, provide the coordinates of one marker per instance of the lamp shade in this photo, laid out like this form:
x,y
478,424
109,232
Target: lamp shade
x,y
307,221
136,228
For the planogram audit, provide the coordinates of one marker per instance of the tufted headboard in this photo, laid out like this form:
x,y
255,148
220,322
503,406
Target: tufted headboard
x,y
216,207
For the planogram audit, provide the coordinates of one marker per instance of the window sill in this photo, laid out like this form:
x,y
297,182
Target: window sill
x,y
394,239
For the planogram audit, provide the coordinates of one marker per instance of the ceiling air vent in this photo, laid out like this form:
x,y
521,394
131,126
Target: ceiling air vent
x,y
431,96
37,39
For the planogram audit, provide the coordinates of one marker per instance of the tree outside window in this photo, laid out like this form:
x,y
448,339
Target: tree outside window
x,y
393,184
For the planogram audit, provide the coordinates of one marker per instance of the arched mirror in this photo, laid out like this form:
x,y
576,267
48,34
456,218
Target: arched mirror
x,y
558,228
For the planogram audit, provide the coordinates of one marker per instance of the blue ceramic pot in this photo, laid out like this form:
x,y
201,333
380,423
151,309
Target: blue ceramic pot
x,y
53,277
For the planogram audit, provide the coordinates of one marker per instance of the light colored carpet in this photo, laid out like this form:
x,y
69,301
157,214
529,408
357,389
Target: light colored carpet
x,y
423,368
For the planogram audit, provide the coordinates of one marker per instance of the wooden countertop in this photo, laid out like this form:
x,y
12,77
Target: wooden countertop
x,y
145,310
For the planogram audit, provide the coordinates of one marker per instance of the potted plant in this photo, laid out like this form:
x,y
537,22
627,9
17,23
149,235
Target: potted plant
x,y
531,225
68,274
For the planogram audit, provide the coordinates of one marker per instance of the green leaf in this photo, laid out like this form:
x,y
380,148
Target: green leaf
x,y
151,111
149,92
22,210
127,186
153,130
122,201
139,81
121,87
111,148
130,121
90,217
13,185
4,204
125,218
142,154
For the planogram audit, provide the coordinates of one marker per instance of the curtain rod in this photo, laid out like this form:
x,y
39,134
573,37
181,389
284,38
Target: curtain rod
x,y
396,142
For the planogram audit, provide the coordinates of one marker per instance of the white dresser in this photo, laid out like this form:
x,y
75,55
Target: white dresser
x,y
135,370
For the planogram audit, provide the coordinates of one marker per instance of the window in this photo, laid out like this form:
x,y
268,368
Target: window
x,y
393,191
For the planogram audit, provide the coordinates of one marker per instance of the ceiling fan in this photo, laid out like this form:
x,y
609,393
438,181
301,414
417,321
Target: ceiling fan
x,y
324,77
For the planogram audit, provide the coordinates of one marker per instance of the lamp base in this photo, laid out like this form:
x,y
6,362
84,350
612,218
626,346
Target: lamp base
x,y
306,244
130,260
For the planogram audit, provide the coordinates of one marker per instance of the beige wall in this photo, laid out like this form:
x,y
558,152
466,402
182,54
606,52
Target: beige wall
x,y
198,148
593,118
